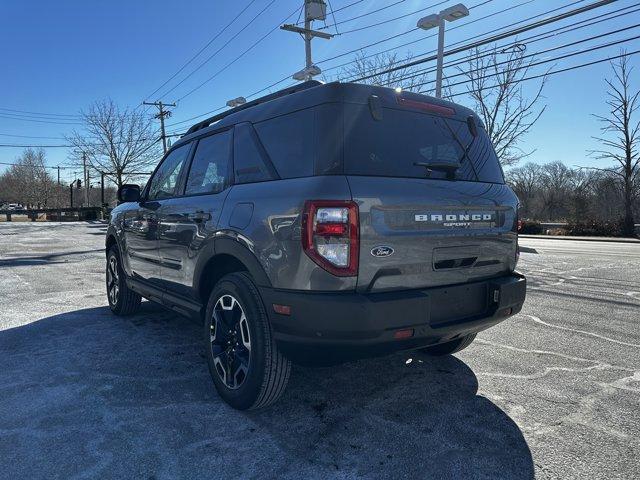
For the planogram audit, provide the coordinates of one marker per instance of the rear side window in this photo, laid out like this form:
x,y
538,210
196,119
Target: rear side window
x,y
288,140
248,161
209,171
393,145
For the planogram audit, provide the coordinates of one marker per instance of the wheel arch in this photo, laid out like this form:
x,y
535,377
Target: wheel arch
x,y
226,256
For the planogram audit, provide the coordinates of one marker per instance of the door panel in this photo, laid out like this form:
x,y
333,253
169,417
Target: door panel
x,y
140,234
187,223
185,227
141,224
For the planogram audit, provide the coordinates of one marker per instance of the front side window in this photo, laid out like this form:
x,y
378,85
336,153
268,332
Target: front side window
x,y
209,171
165,180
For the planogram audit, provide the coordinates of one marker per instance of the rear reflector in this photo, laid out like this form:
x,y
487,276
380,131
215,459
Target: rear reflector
x,y
427,107
282,309
402,334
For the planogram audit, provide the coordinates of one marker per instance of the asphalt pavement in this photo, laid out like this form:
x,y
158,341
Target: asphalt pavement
x,y
553,392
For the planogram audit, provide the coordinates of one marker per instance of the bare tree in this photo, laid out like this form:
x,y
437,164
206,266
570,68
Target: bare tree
x,y
620,140
378,66
494,83
116,141
28,182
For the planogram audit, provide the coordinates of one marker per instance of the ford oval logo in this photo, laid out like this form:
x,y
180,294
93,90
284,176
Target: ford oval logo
x,y
382,251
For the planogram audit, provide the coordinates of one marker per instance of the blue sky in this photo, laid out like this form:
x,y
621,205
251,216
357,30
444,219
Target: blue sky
x,y
59,57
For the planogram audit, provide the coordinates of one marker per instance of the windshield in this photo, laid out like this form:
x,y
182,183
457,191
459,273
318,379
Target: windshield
x,y
403,143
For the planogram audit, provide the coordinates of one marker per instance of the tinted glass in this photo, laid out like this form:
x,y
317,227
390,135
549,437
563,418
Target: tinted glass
x,y
209,171
288,140
165,180
248,162
392,146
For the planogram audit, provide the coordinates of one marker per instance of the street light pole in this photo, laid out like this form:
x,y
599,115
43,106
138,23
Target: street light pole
x,y
450,14
440,59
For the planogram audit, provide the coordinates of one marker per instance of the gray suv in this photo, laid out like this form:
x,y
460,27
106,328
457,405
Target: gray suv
x,y
320,224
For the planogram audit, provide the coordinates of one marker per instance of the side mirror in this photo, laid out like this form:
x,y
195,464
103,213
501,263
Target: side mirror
x,y
129,193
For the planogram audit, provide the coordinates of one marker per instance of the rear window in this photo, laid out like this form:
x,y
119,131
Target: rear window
x,y
288,140
392,146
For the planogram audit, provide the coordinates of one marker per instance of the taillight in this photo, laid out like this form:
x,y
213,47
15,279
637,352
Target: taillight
x,y
330,235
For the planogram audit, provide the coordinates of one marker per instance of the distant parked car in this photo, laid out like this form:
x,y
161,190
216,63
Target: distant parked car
x,y
13,206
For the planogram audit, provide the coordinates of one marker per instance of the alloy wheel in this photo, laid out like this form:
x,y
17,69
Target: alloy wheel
x,y
230,341
113,280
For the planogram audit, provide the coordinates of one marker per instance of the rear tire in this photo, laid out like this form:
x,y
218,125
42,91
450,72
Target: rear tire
x,y
122,300
247,369
448,348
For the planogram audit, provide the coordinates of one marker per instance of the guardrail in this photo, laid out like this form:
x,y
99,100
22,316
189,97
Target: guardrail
x,y
58,214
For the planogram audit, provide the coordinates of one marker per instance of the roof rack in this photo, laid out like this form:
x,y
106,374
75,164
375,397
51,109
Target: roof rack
x,y
280,93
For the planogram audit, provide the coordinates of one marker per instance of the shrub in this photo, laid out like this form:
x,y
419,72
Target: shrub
x,y
595,228
530,227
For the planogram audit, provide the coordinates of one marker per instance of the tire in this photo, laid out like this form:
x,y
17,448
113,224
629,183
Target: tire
x,y
122,300
448,348
246,366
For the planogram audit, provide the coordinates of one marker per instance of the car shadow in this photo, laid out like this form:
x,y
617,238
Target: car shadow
x,y
86,393
47,259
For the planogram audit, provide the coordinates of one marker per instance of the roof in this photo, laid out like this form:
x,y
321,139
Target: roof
x,y
309,94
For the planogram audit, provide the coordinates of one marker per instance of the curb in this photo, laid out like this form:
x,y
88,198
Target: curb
x,y
582,239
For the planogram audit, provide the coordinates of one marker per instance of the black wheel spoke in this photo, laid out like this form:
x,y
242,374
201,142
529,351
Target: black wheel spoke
x,y
230,341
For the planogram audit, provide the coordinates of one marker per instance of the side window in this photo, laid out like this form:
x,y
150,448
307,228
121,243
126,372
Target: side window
x,y
248,162
209,171
165,180
288,140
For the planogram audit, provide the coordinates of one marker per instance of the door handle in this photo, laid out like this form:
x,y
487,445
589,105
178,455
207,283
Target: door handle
x,y
199,217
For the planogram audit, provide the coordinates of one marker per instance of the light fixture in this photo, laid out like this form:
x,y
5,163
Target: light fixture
x,y
454,13
430,21
307,73
236,102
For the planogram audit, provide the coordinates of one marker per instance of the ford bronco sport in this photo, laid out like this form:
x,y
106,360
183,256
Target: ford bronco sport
x,y
318,224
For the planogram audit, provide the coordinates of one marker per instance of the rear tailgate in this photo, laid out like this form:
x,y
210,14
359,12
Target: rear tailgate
x,y
417,233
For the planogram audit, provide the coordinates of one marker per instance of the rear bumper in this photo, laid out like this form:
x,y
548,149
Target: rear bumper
x,y
331,327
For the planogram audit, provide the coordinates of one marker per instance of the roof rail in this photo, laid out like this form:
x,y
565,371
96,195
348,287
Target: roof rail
x,y
280,93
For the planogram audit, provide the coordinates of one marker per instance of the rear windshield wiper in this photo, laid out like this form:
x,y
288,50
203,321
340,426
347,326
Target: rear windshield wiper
x,y
447,167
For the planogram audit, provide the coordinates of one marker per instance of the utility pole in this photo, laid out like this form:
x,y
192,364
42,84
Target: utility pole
x,y
58,167
313,10
162,114
86,179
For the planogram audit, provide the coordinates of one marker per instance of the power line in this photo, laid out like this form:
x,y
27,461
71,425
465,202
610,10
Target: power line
x,y
563,70
277,27
386,39
541,62
38,121
521,41
461,25
30,136
40,113
401,17
497,37
215,37
210,57
371,12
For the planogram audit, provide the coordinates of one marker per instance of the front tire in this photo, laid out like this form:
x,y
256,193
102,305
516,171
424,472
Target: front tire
x,y
247,369
448,348
122,300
